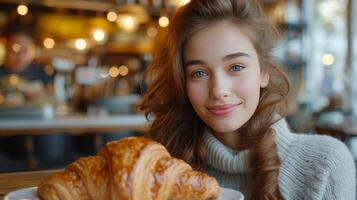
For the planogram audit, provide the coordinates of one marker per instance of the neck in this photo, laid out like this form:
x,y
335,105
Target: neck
x,y
232,140
226,158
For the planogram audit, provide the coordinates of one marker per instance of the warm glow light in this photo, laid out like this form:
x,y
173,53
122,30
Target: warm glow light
x,y
329,8
98,35
184,2
123,70
127,23
22,9
49,70
14,79
80,44
151,32
16,48
113,71
112,16
328,59
164,21
181,2
48,43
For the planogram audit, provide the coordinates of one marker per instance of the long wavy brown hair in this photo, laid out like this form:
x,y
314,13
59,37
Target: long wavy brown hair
x,y
177,126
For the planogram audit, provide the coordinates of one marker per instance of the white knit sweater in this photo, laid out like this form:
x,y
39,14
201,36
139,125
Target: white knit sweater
x,y
313,167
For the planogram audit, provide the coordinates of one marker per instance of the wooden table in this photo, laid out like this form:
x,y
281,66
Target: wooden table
x,y
18,180
343,131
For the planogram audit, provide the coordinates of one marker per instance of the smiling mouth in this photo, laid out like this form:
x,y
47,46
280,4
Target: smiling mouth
x,y
222,110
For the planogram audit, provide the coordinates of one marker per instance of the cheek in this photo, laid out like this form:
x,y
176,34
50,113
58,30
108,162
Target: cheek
x,y
248,88
196,93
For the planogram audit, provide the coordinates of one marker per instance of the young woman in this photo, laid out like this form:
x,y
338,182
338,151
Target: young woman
x,y
218,101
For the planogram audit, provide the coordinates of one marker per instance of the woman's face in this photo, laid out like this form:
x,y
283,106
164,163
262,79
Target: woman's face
x,y
20,51
223,76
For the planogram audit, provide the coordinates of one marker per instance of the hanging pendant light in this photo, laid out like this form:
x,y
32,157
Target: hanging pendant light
x,y
130,16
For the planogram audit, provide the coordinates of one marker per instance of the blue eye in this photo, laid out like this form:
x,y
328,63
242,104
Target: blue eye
x,y
236,68
199,74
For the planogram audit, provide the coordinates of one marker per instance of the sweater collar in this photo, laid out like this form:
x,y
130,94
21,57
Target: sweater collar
x,y
229,160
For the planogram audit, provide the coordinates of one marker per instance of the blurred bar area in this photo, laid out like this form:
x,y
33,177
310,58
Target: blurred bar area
x,y
72,72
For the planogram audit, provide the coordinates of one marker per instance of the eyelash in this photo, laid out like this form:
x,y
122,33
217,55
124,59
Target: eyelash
x,y
200,73
195,74
233,66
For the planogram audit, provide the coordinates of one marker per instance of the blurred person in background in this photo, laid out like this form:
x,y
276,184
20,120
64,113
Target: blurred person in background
x,y
25,83
22,80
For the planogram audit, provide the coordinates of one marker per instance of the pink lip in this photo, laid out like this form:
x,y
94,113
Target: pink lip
x,y
221,110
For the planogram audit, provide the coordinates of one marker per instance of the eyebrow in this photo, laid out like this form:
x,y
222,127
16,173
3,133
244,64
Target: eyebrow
x,y
225,58
235,55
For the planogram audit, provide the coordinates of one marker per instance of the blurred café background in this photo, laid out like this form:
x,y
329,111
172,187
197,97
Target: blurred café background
x,y
81,72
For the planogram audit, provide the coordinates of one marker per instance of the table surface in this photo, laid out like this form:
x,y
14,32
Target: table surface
x,y
18,180
348,127
74,124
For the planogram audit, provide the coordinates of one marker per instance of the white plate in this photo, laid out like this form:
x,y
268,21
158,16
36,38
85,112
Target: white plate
x,y
23,194
229,194
30,194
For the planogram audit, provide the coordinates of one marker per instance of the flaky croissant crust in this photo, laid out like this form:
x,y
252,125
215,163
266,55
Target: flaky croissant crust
x,y
134,168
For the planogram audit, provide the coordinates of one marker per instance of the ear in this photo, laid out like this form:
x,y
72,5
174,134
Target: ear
x,y
264,79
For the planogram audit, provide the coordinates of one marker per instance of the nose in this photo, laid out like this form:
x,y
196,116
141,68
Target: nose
x,y
220,87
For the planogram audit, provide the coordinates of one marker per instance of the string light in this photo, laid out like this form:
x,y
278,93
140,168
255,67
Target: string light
x,y
328,59
48,43
80,44
113,71
99,35
127,23
152,32
22,9
112,16
164,21
123,70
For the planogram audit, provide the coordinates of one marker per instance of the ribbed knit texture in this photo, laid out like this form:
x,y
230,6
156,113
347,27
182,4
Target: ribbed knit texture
x,y
313,166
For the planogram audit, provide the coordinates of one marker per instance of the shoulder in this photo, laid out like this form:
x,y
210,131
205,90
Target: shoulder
x,y
321,163
322,150
318,149
309,144
329,148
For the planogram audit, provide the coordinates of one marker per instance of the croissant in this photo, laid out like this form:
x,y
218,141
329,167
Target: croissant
x,y
134,168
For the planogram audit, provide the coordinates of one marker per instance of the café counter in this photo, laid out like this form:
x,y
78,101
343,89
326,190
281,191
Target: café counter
x,y
73,124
